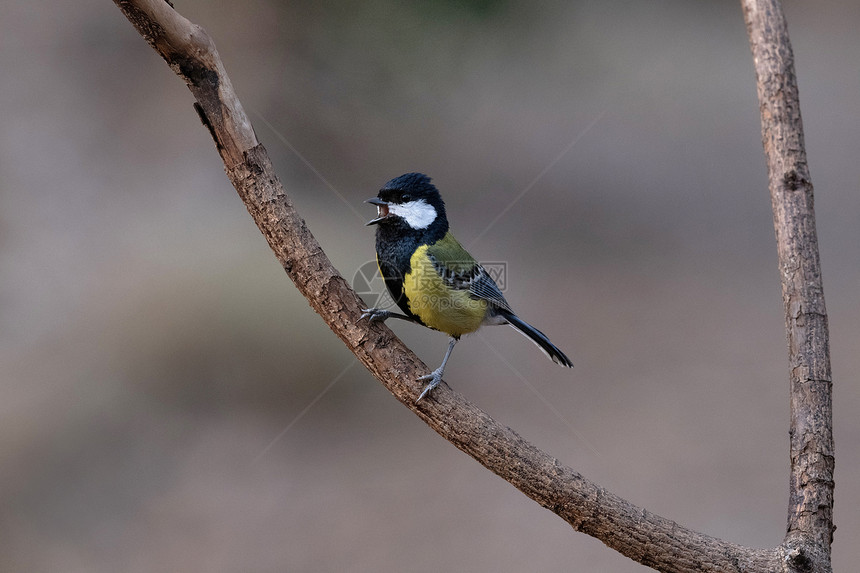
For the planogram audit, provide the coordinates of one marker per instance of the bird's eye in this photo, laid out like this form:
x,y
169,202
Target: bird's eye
x,y
405,198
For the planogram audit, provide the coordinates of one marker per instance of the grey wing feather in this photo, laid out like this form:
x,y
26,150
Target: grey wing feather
x,y
474,279
484,287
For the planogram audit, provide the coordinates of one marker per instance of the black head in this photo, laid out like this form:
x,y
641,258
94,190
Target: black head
x,y
411,203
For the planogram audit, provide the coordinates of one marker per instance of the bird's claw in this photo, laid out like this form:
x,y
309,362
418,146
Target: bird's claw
x,y
374,314
434,377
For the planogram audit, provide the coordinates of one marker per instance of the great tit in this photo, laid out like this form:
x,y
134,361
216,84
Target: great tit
x,y
431,277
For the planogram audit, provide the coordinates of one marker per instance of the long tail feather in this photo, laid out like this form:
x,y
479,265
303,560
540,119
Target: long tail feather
x,y
538,337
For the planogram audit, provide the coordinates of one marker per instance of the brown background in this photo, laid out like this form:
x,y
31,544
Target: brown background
x,y
152,349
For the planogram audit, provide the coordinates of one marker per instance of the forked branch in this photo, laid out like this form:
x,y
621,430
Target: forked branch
x,y
635,532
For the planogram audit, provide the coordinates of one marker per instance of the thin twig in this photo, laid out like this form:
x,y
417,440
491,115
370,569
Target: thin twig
x,y
810,516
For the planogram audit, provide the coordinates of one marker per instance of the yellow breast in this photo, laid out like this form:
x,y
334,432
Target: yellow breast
x,y
454,312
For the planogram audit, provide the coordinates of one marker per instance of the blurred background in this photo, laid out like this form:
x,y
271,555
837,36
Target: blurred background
x,y
171,403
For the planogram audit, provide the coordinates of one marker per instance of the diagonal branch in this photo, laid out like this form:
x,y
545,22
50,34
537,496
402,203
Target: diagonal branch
x,y
635,532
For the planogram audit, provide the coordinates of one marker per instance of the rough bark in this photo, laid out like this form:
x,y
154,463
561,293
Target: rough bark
x,y
810,513
635,532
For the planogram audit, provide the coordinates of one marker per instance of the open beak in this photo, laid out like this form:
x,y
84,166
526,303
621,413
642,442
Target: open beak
x,y
381,210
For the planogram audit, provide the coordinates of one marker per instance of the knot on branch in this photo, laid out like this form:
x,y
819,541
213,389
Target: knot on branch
x,y
798,560
794,181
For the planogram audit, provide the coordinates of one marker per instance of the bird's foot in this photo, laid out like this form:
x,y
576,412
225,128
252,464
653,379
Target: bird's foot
x,y
434,377
375,314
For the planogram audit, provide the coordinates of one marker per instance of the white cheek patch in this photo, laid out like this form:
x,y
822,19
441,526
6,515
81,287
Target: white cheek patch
x,y
419,214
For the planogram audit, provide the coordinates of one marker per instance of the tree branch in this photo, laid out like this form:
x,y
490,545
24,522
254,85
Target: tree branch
x,y
810,515
635,532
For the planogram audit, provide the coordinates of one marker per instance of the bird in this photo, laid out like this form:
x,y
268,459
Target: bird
x,y
431,277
